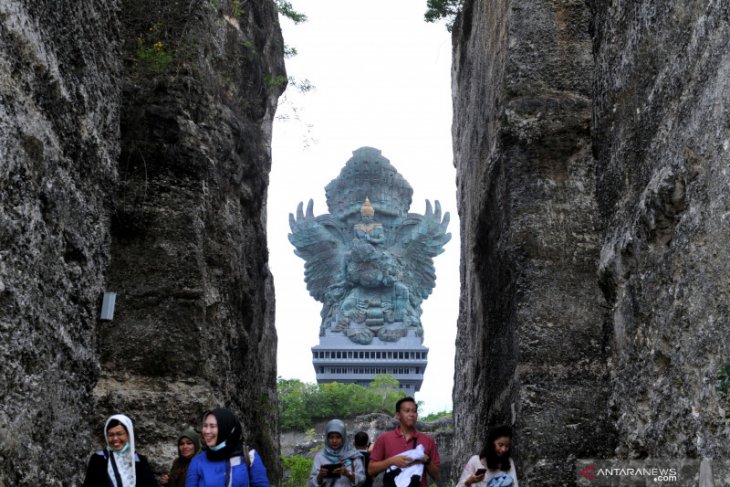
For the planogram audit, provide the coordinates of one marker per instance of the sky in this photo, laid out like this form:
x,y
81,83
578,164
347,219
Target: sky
x,y
382,79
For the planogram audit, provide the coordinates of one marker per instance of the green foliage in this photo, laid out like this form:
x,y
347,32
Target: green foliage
x,y
723,380
301,405
237,9
302,86
435,416
297,469
293,394
152,52
275,81
443,9
382,385
290,51
285,8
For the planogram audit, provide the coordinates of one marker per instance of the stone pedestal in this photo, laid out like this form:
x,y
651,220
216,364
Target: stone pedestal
x,y
338,359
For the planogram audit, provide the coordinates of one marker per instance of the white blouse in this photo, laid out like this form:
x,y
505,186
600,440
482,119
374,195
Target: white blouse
x,y
475,463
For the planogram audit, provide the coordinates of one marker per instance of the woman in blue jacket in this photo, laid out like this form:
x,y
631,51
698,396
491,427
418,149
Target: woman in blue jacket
x,y
224,462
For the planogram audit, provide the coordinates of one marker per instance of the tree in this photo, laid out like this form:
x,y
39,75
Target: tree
x,y
287,10
301,404
297,469
443,9
293,396
384,386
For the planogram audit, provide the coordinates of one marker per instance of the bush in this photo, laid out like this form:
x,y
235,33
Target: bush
x,y
301,404
296,470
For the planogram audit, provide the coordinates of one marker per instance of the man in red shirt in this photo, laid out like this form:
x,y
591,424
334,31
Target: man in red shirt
x,y
389,446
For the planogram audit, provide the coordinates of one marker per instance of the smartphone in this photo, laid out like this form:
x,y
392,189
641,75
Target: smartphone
x,y
480,471
331,467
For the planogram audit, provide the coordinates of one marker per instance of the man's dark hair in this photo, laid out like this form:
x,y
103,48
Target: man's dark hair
x,y
488,452
402,400
361,439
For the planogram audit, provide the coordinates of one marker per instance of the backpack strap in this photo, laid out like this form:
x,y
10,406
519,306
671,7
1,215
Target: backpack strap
x,y
117,476
247,456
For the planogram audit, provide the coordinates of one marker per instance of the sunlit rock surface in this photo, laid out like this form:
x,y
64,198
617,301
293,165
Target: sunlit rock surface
x,y
591,145
661,141
59,145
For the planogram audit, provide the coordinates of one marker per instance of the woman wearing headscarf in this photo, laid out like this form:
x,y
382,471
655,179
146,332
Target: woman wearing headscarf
x,y
338,464
119,465
224,462
188,445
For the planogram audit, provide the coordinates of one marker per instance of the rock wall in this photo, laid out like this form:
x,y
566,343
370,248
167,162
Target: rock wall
x,y
194,326
532,349
59,144
661,142
134,158
591,142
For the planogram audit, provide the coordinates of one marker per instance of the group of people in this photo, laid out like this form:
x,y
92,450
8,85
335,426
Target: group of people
x,y
226,462
405,456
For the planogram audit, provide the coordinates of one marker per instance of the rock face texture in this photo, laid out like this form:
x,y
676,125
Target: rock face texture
x,y
661,142
591,146
134,158
531,341
59,145
188,254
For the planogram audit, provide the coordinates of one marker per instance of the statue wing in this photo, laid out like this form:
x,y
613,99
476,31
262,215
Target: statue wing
x,y
420,239
320,242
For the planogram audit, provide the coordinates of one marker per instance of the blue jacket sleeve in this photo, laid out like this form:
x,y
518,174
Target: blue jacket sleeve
x,y
193,477
258,473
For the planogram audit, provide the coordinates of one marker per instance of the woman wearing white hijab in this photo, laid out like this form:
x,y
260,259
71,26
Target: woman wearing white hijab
x,y
119,465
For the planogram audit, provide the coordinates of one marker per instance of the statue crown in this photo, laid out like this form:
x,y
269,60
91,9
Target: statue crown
x,y
367,209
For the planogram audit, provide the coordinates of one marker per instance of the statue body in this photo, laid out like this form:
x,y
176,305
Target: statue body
x,y
369,261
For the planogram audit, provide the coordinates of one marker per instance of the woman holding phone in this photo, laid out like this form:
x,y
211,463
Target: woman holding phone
x,y
338,464
493,467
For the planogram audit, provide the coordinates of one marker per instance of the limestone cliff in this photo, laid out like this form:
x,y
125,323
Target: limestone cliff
x,y
59,145
531,341
188,255
661,142
135,157
591,145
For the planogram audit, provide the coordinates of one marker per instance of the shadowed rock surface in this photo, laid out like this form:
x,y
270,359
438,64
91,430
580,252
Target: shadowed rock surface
x,y
531,341
134,155
188,254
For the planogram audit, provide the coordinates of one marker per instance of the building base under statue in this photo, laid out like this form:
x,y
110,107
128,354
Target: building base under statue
x,y
338,359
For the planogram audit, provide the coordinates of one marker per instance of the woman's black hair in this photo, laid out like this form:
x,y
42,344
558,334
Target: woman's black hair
x,y
494,461
115,422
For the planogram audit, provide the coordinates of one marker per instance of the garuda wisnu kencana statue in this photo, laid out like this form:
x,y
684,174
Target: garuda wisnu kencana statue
x,y
369,261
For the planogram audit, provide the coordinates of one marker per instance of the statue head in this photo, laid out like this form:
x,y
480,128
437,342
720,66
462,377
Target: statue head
x,y
367,209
